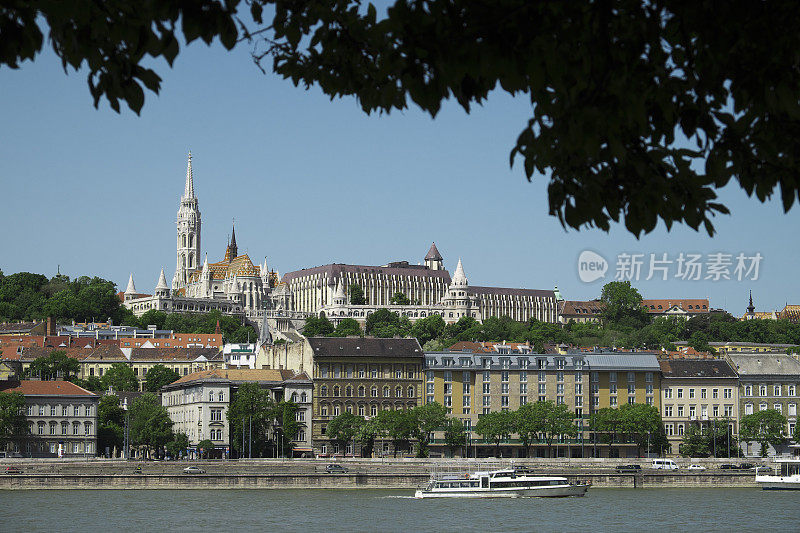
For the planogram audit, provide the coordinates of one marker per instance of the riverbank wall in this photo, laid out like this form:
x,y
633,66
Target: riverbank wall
x,y
313,475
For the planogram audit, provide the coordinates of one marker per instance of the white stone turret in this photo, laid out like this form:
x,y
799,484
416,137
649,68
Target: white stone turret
x,y
130,291
162,289
340,297
459,278
188,225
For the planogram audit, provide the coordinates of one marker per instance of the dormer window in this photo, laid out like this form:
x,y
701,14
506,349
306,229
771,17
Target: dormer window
x,y
523,362
541,363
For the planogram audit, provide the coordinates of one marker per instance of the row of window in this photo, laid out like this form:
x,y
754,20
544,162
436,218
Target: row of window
x,y
777,390
41,428
692,411
727,393
466,377
361,409
362,392
791,409
60,410
374,371
505,362
672,429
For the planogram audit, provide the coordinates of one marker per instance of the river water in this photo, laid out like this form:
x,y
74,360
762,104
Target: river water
x,y
676,509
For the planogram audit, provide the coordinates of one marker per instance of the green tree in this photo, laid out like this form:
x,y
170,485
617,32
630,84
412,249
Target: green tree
x,y
558,421
642,424
110,424
398,426
318,326
251,410
366,435
178,445
150,425
454,434
764,427
796,434
606,423
13,422
399,298
286,412
428,328
158,376
56,365
205,447
344,428
347,327
153,317
120,377
622,301
694,443
426,419
495,427
91,383
385,323
357,295
529,422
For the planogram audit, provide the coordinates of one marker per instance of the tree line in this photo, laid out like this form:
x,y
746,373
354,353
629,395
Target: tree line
x,y
624,323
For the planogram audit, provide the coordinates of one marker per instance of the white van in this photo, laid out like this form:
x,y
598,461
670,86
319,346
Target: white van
x,y
664,464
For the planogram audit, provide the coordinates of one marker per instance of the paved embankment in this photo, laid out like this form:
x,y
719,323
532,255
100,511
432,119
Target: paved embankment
x,y
268,474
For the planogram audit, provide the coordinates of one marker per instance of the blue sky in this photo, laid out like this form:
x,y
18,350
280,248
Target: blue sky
x,y
312,181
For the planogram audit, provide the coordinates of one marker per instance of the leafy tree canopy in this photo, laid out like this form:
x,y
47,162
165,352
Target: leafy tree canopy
x,y
399,298
357,295
344,427
178,445
13,421
686,107
150,424
318,326
56,365
764,427
158,376
252,410
120,377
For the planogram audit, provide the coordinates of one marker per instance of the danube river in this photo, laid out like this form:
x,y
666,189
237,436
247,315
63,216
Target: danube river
x,y
676,509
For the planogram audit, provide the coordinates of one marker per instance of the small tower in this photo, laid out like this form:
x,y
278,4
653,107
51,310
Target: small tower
x,y
188,225
751,309
232,251
130,291
459,278
162,289
340,297
433,259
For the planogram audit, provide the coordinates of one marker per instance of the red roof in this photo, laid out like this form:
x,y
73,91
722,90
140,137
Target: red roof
x,y
696,305
45,388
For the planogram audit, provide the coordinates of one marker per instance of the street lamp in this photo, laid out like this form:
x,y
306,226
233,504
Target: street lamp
x,y
126,449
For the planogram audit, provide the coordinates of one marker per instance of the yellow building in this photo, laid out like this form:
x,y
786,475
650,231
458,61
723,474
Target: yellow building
x,y
472,384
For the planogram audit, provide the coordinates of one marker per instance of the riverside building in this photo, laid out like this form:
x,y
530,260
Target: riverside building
x,y
767,381
697,392
62,419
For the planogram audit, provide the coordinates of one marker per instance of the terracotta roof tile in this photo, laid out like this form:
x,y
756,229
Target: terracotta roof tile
x,y
45,388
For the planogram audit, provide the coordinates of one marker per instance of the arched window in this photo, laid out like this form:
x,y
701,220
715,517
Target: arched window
x,y
303,399
336,391
348,391
411,392
294,397
349,408
374,392
211,396
361,391
386,392
398,392
337,410
373,409
323,391
220,396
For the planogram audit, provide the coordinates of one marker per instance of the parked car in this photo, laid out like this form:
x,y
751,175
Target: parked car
x,y
193,470
763,470
747,466
728,466
628,468
335,469
696,467
664,464
13,470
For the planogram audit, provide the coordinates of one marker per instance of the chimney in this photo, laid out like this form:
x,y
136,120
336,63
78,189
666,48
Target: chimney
x,y
51,326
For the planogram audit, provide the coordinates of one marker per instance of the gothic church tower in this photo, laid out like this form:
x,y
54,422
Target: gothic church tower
x,y
188,232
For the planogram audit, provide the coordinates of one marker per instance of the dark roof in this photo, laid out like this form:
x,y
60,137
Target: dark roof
x,y
433,254
334,271
697,368
18,327
364,347
581,308
501,291
173,354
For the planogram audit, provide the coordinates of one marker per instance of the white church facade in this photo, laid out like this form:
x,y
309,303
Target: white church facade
x,y
234,285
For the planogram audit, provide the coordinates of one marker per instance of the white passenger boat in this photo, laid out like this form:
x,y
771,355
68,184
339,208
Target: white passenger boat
x,y
510,483
785,477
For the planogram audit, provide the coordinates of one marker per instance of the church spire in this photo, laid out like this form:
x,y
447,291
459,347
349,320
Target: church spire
x,y
751,308
232,251
131,287
188,191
